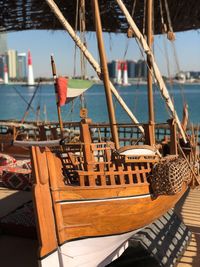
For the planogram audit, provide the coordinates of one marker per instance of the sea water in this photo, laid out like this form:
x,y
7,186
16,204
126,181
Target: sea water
x,y
16,102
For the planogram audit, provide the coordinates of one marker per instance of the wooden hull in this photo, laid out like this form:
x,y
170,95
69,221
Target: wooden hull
x,y
117,215
103,228
71,216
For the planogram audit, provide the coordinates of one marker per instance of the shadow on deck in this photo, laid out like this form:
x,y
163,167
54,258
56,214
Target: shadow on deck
x,y
188,208
172,240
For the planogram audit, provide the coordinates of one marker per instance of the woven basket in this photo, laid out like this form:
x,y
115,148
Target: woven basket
x,y
169,175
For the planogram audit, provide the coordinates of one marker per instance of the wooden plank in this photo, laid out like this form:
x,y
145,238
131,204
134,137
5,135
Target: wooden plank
x,y
43,204
99,218
68,193
188,209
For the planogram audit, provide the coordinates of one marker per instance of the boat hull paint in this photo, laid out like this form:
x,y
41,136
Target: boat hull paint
x,y
89,252
51,260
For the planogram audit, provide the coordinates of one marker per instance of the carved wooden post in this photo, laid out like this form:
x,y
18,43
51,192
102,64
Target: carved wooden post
x,y
173,137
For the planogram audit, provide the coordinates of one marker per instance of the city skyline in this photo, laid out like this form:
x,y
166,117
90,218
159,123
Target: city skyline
x,y
14,64
42,44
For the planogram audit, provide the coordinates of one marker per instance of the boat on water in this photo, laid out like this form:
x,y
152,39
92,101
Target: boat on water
x,y
91,197
11,131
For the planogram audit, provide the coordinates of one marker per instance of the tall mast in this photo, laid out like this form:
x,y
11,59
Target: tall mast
x,y
53,66
105,75
149,73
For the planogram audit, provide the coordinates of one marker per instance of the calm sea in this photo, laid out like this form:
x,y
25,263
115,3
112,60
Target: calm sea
x,y
14,99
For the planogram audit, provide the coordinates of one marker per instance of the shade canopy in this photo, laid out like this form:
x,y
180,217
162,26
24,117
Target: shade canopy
x,y
18,15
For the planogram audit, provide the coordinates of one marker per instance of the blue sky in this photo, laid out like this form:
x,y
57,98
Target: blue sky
x,y
44,43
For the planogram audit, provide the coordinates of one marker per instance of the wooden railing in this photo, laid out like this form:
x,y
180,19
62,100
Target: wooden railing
x,y
108,168
129,134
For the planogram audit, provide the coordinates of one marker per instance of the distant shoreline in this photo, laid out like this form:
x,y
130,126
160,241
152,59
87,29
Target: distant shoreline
x,y
101,83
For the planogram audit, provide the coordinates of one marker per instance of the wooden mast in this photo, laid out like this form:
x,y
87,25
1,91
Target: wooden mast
x,y
56,92
151,126
105,75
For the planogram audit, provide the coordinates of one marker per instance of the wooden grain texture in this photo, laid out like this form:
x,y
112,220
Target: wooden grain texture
x,y
104,216
89,211
112,217
188,209
43,204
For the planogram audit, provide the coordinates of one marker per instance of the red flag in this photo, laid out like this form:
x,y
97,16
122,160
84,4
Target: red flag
x,y
61,84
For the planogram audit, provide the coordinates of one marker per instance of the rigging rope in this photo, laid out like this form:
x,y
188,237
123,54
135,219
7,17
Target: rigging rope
x,y
170,33
144,19
75,47
82,35
168,16
151,71
130,31
164,28
171,37
181,87
83,38
23,98
30,102
133,8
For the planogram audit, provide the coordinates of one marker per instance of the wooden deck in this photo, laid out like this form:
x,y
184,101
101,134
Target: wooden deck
x,y
189,210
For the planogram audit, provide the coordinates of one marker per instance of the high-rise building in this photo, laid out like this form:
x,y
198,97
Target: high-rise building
x,y
112,69
3,43
131,68
12,63
22,66
134,69
3,51
1,67
141,69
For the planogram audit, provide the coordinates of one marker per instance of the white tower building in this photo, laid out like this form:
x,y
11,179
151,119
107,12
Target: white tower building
x,y
119,73
5,74
125,74
30,70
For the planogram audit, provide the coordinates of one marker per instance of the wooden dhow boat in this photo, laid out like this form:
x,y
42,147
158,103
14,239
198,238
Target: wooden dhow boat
x,y
91,197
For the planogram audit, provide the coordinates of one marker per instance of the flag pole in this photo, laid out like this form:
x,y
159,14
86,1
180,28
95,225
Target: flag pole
x,y
53,66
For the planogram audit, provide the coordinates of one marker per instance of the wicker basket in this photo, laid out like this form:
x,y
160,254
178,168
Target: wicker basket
x,y
169,174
